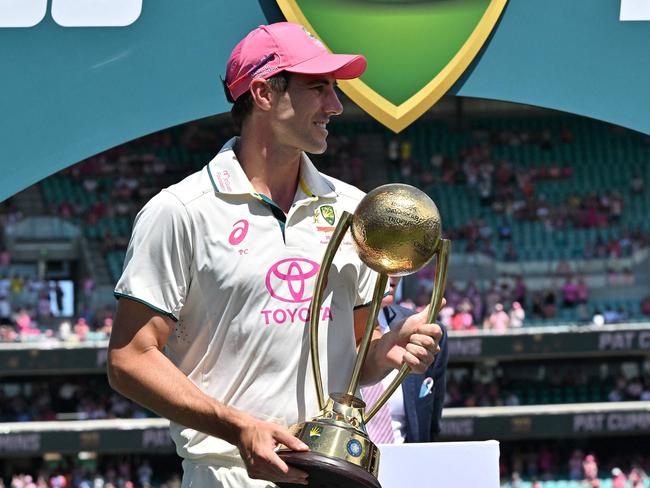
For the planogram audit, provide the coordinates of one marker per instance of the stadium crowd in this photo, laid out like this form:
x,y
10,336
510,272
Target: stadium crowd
x,y
499,306
546,462
107,472
507,303
71,398
539,463
575,387
90,397
111,187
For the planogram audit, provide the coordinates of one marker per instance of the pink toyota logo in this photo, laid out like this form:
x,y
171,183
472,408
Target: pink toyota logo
x,y
287,279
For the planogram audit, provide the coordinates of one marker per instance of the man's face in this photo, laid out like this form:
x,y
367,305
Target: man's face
x,y
301,114
393,283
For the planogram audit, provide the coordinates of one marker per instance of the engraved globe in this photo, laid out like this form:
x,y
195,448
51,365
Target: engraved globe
x,y
396,229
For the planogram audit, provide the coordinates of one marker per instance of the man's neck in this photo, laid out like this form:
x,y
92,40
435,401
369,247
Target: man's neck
x,y
273,170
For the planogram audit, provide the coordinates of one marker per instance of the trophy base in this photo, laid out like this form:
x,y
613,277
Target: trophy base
x,y
327,472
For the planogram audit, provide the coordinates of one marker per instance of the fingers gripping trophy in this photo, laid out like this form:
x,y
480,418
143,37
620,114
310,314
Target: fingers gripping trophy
x,y
396,230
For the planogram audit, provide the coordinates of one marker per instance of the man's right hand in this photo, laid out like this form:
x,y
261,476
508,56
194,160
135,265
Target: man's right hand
x,y
258,441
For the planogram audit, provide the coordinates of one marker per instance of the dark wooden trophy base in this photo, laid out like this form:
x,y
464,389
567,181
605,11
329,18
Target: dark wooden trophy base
x,y
327,472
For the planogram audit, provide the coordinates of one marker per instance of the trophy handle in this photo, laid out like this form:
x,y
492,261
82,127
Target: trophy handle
x,y
380,288
321,282
442,261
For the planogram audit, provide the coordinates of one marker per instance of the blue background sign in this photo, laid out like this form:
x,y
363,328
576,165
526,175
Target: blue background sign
x,y
67,93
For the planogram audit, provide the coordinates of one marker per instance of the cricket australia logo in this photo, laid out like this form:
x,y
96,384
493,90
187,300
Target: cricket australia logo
x,y
416,49
327,211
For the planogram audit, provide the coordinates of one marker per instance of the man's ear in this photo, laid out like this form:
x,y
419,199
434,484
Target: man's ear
x,y
262,94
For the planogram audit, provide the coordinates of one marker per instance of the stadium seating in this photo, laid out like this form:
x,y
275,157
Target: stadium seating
x,y
604,483
601,159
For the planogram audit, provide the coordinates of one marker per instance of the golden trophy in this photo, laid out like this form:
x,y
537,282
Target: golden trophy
x,y
396,231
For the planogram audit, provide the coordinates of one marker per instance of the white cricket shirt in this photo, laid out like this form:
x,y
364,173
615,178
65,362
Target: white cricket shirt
x,y
237,276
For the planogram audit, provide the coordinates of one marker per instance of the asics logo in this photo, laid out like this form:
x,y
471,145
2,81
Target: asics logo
x,y
70,13
292,280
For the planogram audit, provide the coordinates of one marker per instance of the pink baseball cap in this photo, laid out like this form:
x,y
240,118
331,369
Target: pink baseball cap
x,y
285,46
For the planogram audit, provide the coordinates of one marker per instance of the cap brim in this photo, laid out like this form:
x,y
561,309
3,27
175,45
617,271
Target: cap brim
x,y
341,66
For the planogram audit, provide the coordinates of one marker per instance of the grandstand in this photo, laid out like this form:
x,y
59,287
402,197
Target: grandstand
x,y
544,209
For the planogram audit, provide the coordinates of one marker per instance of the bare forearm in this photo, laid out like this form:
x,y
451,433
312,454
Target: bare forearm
x,y
382,358
152,380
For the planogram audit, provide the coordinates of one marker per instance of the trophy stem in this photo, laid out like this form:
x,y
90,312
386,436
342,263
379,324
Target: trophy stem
x,y
380,288
317,301
436,302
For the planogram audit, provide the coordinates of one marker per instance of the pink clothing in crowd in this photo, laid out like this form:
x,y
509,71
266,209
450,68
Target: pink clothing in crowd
x,y
499,320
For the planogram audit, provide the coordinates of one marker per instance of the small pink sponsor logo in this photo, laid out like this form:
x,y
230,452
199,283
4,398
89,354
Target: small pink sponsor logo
x,y
239,231
292,280
223,177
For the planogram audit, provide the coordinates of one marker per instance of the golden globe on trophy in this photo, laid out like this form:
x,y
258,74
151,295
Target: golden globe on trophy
x,y
396,230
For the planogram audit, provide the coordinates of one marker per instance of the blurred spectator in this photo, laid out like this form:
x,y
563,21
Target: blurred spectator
x,y
517,315
618,478
569,293
515,481
520,290
611,316
512,400
463,320
637,184
393,154
590,468
24,323
65,330
44,308
144,474
510,254
549,308
645,305
645,393
5,284
582,291
575,465
637,476
5,258
627,277
107,326
564,268
617,393
406,150
88,286
81,329
17,284
5,310
499,321
505,231
8,334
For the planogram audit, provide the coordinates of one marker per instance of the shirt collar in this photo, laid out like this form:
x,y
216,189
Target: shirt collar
x,y
227,175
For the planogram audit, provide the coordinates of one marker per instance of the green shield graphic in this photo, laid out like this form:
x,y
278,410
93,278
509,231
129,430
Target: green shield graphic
x,y
327,211
416,49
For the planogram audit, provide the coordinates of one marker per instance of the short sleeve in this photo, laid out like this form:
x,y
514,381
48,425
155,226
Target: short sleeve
x,y
366,288
157,268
